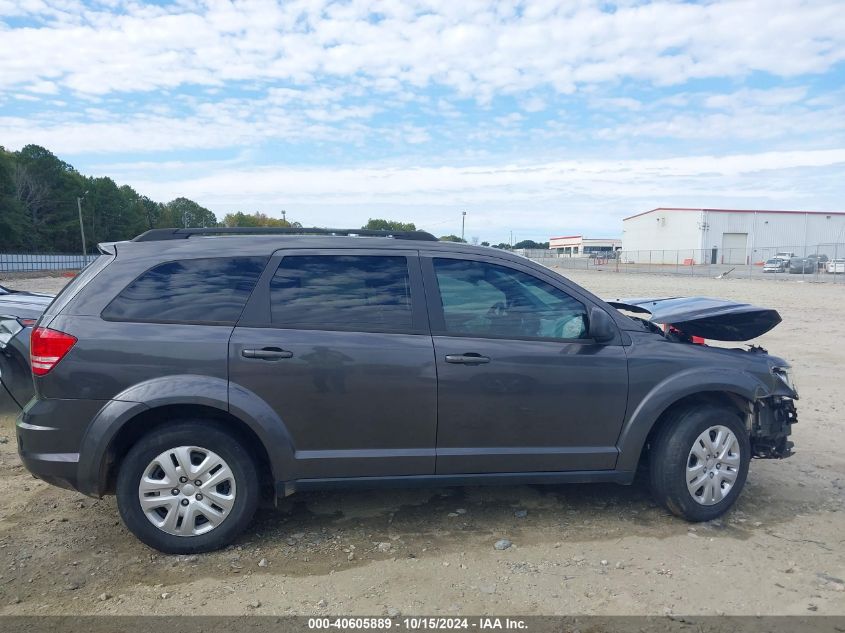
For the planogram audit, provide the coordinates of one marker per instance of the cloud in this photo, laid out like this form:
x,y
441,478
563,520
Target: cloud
x,y
541,113
477,49
744,115
773,97
584,194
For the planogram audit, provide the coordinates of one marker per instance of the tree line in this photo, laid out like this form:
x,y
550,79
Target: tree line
x,y
39,210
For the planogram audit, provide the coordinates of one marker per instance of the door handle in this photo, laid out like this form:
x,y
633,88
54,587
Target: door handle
x,y
467,359
266,353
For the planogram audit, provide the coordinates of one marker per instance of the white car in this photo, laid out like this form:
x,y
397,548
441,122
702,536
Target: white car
x,y
836,266
775,265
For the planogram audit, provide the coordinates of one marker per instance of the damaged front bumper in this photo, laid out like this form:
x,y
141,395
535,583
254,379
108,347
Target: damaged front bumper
x,y
771,426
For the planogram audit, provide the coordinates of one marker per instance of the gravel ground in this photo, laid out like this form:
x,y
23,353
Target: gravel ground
x,y
577,549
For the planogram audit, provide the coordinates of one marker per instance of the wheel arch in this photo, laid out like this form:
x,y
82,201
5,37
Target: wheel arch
x,y
148,406
737,390
152,419
740,404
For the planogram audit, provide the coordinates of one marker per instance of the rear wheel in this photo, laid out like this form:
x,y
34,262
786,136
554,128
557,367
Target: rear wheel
x,y
187,489
699,462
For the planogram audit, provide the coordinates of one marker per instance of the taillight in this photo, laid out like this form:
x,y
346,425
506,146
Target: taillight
x,y
27,322
47,347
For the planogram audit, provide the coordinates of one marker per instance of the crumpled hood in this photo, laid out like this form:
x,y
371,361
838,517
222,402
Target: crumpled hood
x,y
716,319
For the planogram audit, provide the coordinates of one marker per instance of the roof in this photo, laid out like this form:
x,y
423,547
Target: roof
x,y
159,235
630,217
588,239
245,245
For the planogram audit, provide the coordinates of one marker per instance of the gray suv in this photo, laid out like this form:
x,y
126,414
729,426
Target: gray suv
x,y
195,373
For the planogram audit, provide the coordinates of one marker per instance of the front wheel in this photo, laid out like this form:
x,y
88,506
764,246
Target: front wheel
x,y
190,488
699,462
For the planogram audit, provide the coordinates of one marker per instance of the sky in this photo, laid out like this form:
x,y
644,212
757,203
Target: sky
x,y
538,118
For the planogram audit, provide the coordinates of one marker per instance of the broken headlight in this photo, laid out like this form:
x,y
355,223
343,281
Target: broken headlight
x,y
784,372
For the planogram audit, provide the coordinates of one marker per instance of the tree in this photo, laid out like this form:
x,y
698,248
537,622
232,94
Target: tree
x,y
256,219
504,246
105,212
13,219
376,224
485,243
47,187
38,208
186,213
531,244
451,238
148,211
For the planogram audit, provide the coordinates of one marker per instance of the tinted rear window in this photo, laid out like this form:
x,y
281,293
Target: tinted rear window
x,y
212,290
363,292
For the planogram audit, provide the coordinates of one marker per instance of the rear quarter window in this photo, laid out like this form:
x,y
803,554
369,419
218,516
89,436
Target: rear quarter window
x,y
209,290
77,284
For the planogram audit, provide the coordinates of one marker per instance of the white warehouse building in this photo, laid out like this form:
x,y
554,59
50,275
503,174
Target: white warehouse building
x,y
729,236
580,246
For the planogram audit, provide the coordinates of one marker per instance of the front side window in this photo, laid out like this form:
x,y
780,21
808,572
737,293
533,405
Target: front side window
x,y
483,299
210,290
350,292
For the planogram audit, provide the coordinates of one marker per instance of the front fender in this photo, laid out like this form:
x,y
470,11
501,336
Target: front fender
x,y
180,390
648,410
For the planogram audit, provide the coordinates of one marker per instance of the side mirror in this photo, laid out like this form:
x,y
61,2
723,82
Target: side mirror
x,y
602,327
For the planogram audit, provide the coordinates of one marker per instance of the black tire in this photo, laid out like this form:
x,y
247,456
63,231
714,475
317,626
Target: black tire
x,y
670,453
208,435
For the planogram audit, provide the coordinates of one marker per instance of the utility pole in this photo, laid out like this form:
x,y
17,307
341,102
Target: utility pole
x,y
82,227
463,224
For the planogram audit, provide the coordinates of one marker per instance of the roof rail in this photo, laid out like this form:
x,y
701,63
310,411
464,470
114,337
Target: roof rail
x,y
158,235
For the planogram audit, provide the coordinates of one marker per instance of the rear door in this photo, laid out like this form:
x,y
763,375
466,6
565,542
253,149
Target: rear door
x,y
521,387
337,343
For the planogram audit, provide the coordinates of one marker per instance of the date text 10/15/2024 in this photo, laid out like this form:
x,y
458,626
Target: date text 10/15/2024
x,y
417,623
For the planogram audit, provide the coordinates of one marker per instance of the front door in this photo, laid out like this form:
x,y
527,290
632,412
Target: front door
x,y
521,387
337,343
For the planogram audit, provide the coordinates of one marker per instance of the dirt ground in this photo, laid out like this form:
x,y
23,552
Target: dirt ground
x,y
577,549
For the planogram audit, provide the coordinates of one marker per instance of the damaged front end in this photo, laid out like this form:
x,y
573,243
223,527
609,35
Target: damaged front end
x,y
771,426
702,317
769,418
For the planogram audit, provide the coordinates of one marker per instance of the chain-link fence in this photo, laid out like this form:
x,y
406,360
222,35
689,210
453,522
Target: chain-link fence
x,y
821,262
30,262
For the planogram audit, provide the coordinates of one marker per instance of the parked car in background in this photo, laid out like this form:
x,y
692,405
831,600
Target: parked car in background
x,y
836,266
19,312
194,375
819,258
784,255
802,265
775,265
